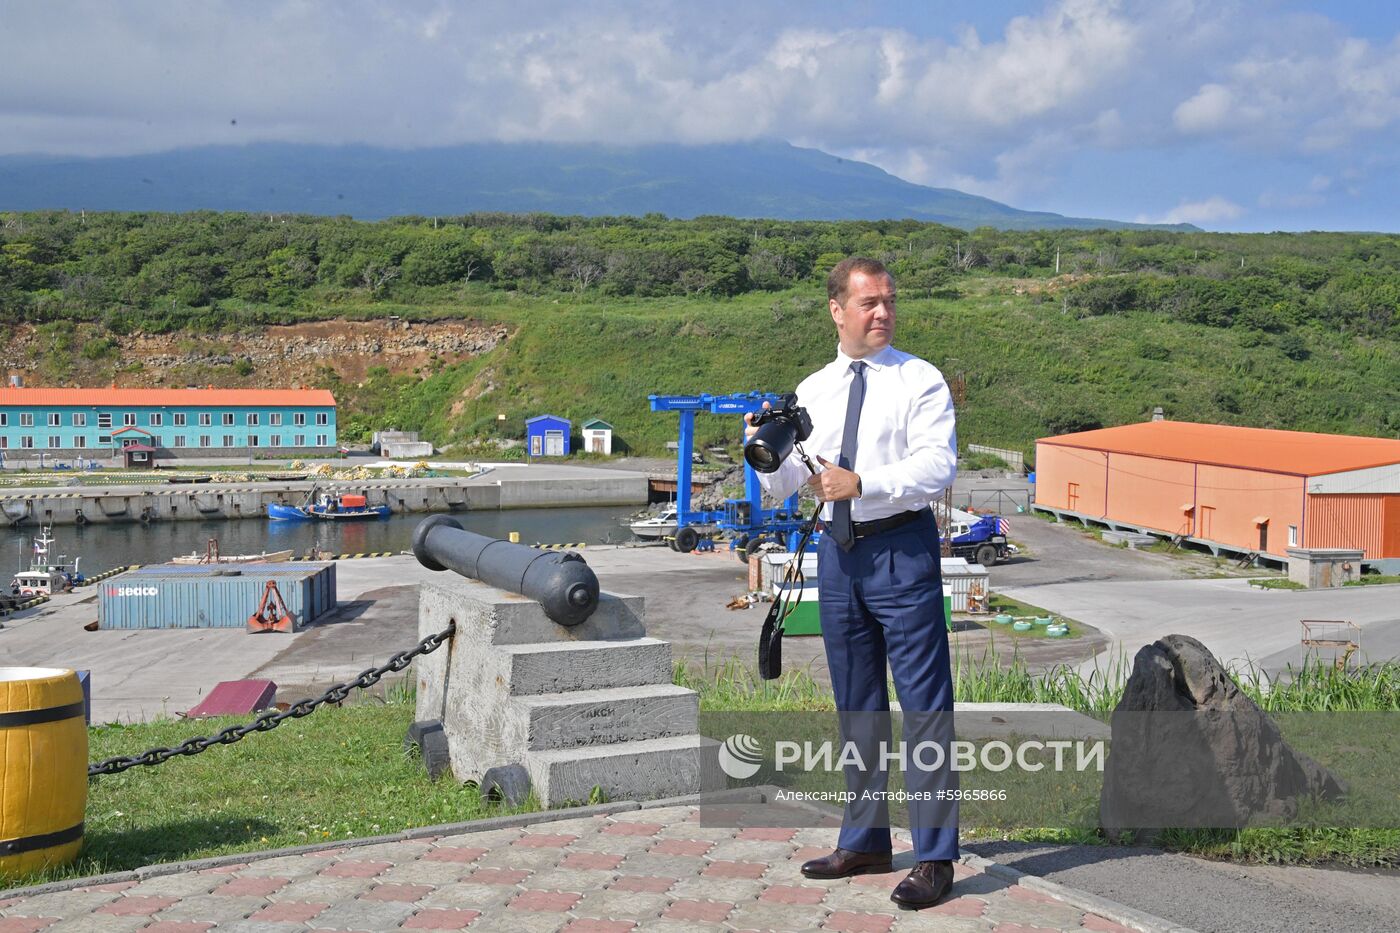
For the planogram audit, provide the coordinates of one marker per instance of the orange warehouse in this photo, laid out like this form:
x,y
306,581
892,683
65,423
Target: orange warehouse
x,y
1243,490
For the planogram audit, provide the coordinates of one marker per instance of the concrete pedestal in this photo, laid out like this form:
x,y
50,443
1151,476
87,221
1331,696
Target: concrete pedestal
x,y
1323,567
578,707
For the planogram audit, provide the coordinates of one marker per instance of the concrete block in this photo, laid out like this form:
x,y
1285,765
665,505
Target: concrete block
x,y
600,717
554,668
627,770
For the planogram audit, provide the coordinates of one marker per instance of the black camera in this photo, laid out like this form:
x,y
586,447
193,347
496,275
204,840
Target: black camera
x,y
779,430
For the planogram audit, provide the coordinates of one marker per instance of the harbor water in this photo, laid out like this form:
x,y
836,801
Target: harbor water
x,y
102,547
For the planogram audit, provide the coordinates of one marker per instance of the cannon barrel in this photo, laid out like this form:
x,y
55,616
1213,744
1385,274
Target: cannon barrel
x,y
562,583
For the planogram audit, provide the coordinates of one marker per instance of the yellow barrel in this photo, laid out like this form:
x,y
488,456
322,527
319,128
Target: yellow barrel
x,y
43,768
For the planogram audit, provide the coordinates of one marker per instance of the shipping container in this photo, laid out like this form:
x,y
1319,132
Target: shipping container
x,y
220,596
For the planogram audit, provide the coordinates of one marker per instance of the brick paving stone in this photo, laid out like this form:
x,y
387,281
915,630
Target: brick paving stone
x,y
421,872
662,925
846,921
618,845
727,869
62,904
289,912
140,905
660,866
778,918
392,852
1004,909
547,901
8,901
713,832
736,850
489,839
718,889
483,897
564,879
792,894
361,914
520,921
1029,895
971,907
407,893
183,884
1022,928
25,924
816,836
1103,925
208,907
961,871
692,847
285,866
621,905
327,852
322,890
98,923
703,910
578,826
355,868
766,834
981,884
589,925
921,921
453,854
807,853
178,926
663,815
631,828
494,875
530,857
440,919
595,861
253,887
111,887
884,881
543,841
648,883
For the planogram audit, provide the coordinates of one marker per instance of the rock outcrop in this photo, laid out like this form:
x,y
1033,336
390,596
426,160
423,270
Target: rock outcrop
x,y
1190,750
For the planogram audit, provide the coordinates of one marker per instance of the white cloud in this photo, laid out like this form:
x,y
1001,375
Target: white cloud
x,y
1206,112
1210,210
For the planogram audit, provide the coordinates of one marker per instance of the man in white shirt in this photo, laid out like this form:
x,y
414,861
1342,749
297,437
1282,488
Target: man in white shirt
x,y
883,432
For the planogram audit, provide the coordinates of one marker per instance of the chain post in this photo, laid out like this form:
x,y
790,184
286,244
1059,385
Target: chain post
x,y
268,720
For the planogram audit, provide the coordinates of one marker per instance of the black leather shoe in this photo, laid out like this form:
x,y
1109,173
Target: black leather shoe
x,y
926,885
844,862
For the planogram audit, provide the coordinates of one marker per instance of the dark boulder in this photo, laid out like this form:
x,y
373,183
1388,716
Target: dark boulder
x,y
1190,750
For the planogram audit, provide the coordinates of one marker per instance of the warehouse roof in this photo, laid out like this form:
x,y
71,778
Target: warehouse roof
x,y
113,397
1298,452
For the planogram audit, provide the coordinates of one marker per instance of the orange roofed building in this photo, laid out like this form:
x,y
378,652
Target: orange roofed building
x,y
1240,490
141,425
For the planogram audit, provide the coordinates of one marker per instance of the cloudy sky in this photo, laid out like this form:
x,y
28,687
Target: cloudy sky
x,y
1263,115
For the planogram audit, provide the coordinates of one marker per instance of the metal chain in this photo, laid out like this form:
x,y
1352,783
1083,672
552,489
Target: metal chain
x,y
271,719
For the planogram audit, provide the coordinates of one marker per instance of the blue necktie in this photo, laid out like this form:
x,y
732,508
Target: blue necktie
x,y
842,530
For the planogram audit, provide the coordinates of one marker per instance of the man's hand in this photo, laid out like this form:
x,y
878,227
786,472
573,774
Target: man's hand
x,y
833,483
750,430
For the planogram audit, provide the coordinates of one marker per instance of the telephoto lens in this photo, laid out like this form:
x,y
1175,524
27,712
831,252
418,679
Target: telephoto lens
x,y
779,430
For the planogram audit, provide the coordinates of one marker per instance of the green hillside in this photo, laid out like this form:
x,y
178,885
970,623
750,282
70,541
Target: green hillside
x,y
1053,330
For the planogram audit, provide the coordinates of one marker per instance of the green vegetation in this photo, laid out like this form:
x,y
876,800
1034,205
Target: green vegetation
x,y
1374,579
1280,330
1277,583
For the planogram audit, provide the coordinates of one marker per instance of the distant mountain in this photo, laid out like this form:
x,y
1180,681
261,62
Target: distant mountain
x,y
764,179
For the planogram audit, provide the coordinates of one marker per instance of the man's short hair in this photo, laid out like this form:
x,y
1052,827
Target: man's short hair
x,y
838,282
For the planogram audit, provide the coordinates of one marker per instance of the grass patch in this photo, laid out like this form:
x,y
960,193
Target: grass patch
x,y
1005,605
1374,579
339,774
1276,583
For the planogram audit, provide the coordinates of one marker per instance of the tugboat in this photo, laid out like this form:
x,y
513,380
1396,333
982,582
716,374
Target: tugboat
x,y
44,578
346,507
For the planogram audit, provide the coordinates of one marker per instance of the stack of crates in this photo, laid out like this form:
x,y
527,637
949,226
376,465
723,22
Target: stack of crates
x,y
213,596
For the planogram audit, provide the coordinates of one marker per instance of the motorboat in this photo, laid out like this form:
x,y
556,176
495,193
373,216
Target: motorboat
x,y
656,527
45,576
344,507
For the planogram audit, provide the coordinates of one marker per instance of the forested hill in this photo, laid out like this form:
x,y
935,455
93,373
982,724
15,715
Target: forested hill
x,y
764,179
584,317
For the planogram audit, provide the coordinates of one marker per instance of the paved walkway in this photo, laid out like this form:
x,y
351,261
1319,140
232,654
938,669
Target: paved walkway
x,y
655,868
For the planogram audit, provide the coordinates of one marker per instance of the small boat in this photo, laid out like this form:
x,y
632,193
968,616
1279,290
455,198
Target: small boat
x,y
339,508
211,555
656,527
44,578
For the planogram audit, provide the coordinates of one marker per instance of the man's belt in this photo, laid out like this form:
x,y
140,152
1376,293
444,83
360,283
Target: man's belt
x,y
879,526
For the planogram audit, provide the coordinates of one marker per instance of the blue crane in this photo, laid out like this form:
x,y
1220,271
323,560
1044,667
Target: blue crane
x,y
746,517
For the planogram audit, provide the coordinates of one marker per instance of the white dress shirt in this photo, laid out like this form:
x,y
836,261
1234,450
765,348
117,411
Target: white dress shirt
x,y
907,445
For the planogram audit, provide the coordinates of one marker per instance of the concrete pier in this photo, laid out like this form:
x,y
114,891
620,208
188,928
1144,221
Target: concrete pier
x,y
513,487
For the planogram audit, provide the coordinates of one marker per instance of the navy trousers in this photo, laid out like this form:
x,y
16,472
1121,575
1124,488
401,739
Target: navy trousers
x,y
882,602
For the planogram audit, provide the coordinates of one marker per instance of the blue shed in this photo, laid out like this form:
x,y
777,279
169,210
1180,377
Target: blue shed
x,y
547,436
